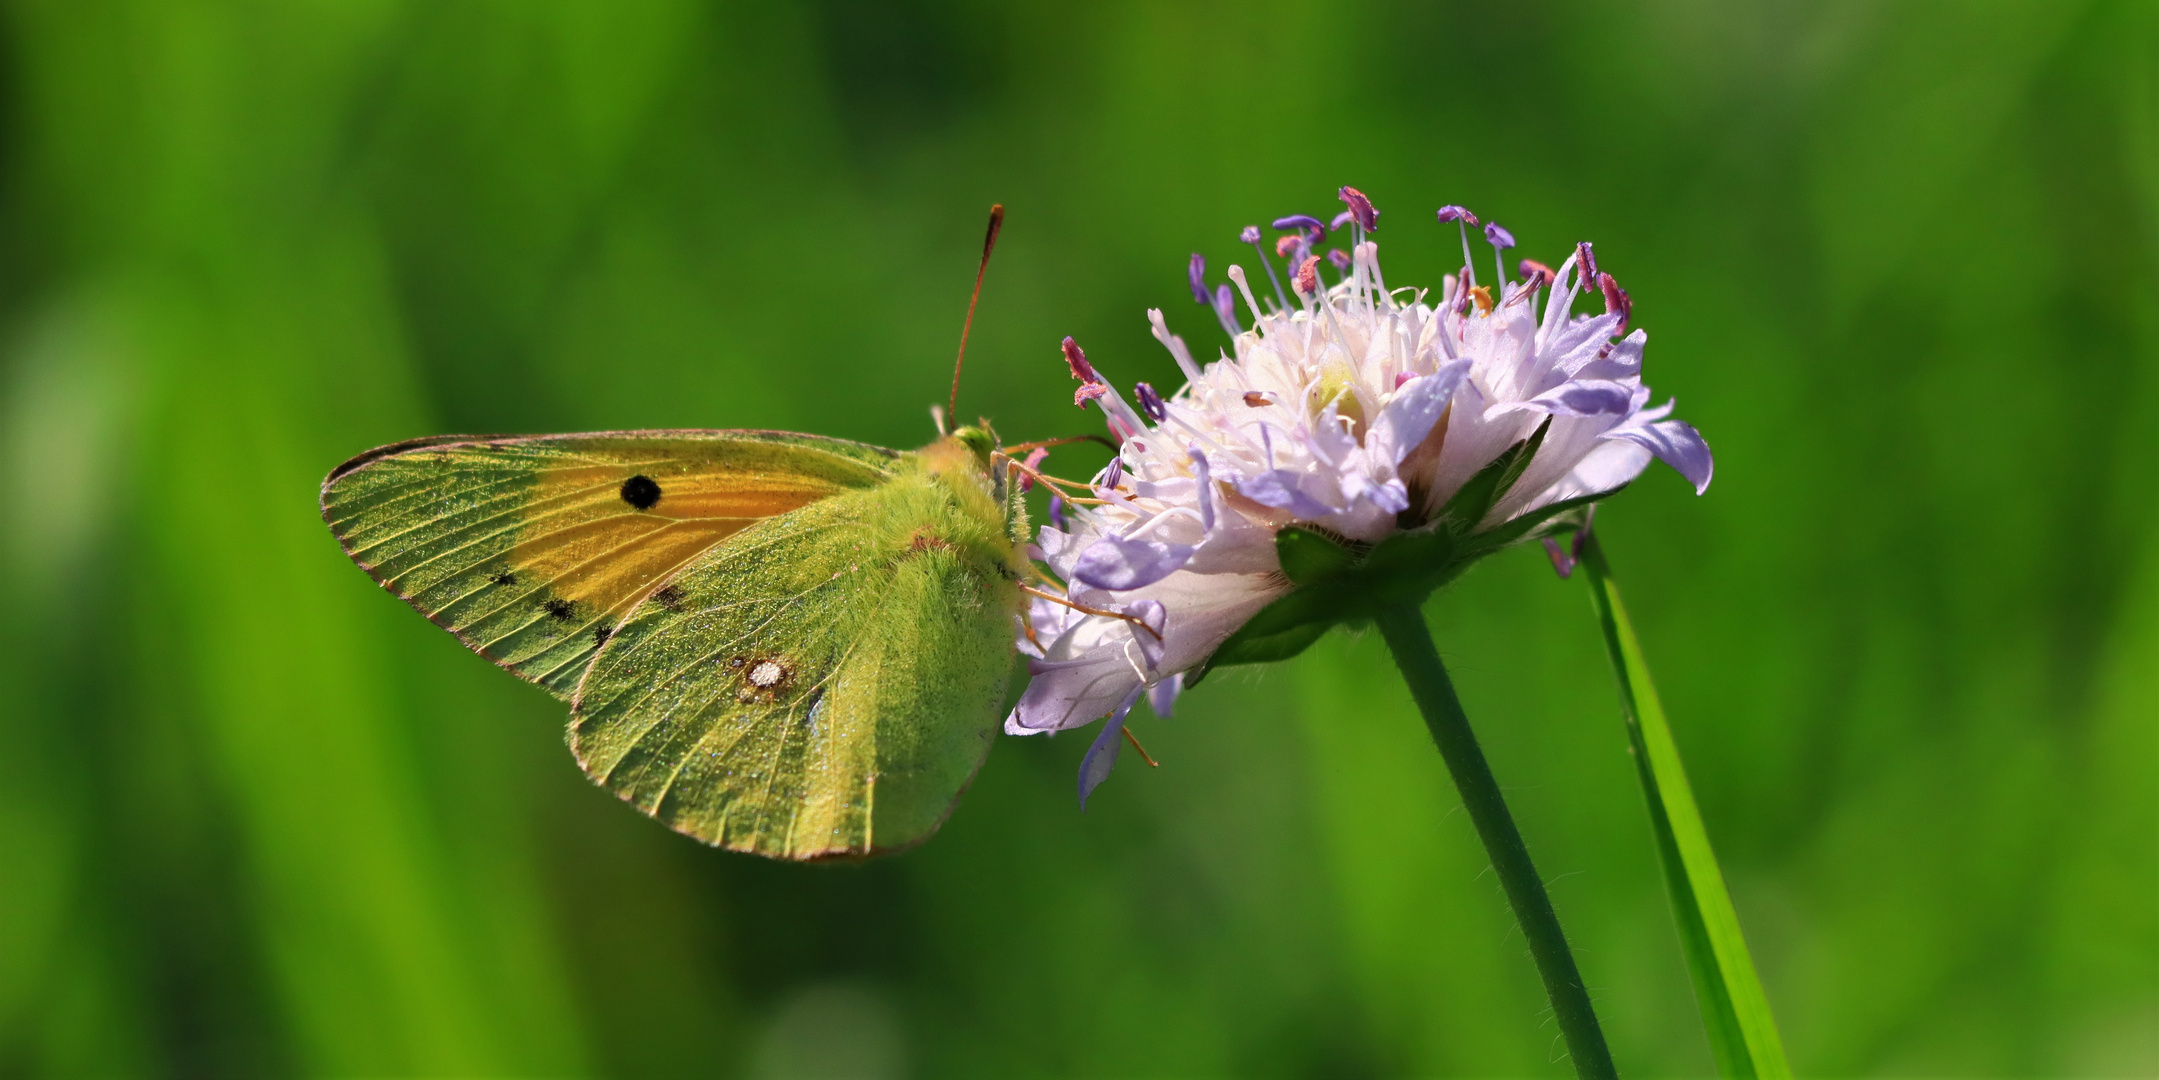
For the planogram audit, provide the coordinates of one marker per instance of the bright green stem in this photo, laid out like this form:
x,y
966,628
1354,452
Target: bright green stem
x,y
1411,641
1735,1012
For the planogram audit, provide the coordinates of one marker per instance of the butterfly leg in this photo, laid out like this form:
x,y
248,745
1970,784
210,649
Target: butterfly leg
x,y
1085,610
1143,754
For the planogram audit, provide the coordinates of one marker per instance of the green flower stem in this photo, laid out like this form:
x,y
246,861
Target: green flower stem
x,y
1735,1012
1411,642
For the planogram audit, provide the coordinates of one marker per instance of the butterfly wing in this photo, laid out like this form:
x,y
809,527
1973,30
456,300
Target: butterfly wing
x,y
823,685
530,550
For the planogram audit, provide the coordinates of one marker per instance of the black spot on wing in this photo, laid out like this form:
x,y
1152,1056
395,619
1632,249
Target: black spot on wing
x,y
504,579
671,597
561,609
600,634
642,492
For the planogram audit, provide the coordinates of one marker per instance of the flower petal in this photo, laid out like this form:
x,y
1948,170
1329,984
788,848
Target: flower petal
x,y
1117,563
1676,443
1409,417
1586,397
1102,756
1162,696
1280,488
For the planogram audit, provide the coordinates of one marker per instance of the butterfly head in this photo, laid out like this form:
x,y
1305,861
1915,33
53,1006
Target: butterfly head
x,y
979,440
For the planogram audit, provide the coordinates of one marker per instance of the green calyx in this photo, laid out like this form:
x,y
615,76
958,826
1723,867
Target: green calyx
x,y
1341,581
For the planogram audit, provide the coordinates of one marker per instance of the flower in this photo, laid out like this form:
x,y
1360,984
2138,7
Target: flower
x,y
1363,415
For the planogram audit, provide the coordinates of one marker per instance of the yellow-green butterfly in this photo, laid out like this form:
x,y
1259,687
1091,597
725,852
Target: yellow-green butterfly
x,y
782,644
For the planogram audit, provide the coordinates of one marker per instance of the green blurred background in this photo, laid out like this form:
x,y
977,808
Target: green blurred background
x,y
1900,263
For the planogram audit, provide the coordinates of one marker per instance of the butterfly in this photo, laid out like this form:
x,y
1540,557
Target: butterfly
x,y
782,644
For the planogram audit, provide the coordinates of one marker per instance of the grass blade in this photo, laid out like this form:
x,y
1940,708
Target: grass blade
x,y
1742,1033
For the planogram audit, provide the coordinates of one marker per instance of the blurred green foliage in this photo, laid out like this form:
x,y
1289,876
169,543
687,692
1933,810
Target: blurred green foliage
x,y
1900,262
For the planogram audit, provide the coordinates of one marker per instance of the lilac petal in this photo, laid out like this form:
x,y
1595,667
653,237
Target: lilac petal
x,y
1360,208
1102,756
1154,617
1416,407
1279,488
1117,563
1302,222
1586,397
1205,485
1250,235
1162,696
1390,497
1197,274
1497,236
1676,443
1456,213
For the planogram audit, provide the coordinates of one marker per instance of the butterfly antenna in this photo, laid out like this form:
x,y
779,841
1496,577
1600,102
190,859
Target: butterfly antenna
x,y
989,244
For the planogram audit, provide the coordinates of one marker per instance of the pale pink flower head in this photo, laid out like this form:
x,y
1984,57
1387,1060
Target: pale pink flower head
x,y
1467,421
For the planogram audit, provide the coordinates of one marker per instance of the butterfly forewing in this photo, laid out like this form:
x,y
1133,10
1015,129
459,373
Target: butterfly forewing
x,y
532,549
823,684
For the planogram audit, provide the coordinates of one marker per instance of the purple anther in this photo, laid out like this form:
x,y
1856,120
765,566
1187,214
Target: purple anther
x,y
1076,359
1456,213
1197,275
1225,309
1250,235
1057,512
1360,208
1287,245
1305,222
1113,473
1031,465
1339,258
1616,300
1498,237
1585,262
1150,403
1308,277
1091,384
1562,560
1339,220
1536,274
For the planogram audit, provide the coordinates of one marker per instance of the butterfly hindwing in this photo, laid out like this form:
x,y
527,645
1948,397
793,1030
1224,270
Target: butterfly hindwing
x,y
824,684
530,550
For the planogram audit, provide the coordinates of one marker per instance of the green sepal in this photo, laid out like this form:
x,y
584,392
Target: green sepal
x,y
1308,556
1539,522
